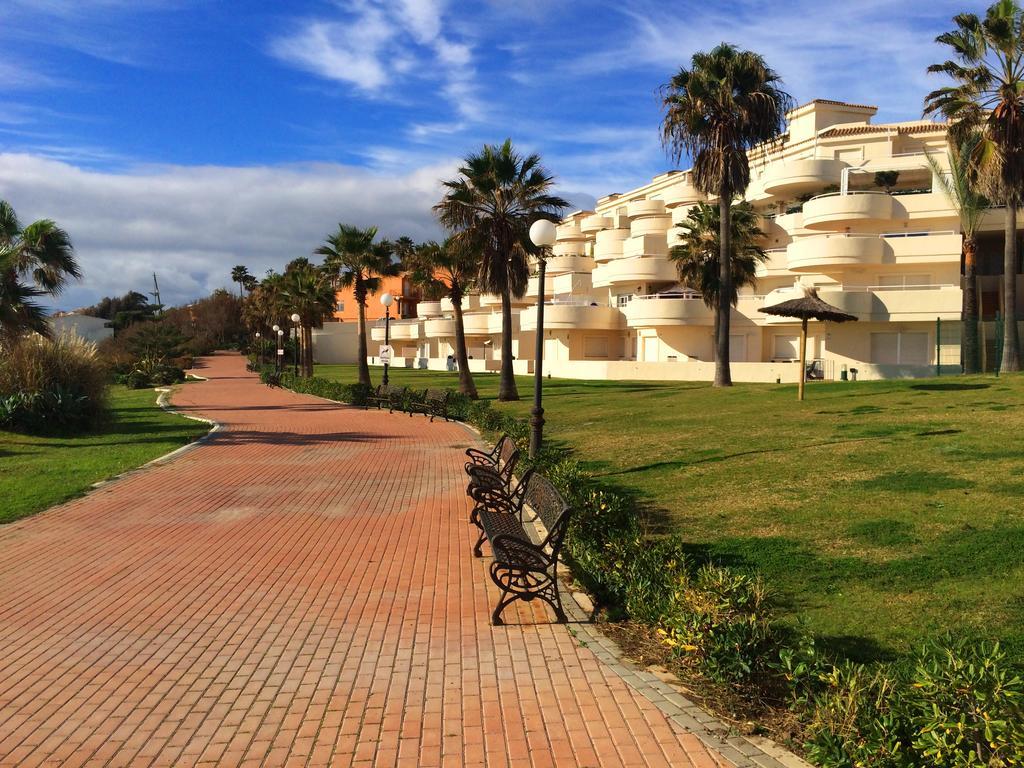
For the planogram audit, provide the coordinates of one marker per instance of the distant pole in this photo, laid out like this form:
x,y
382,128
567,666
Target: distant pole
x,y
999,342
938,346
156,295
803,358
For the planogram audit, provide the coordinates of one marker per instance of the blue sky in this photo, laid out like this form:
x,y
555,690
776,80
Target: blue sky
x,y
185,136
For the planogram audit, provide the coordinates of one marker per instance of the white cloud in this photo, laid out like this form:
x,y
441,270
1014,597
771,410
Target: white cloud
x,y
192,224
863,52
388,50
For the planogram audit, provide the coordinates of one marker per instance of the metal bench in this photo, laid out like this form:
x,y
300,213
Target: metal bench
x,y
506,498
496,474
432,403
386,394
524,569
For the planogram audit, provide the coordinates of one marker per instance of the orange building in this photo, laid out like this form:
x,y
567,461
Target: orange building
x,y
406,296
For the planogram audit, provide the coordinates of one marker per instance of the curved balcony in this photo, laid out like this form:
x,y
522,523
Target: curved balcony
x,y
476,325
656,311
494,322
377,333
595,223
645,208
608,244
570,248
834,211
650,225
573,317
793,177
820,252
635,271
490,300
425,309
647,245
563,265
439,328
682,197
470,302
405,330
533,284
569,231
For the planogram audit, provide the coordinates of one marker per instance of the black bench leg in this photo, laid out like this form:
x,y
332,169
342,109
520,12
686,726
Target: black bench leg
x,y
477,548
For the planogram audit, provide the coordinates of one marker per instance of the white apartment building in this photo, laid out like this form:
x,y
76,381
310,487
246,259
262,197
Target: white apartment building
x,y
890,256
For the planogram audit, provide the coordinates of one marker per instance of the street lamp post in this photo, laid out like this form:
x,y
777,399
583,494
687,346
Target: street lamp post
x,y
279,333
387,300
295,324
259,347
542,233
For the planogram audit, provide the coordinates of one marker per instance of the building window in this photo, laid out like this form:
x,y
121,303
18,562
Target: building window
x,y
899,348
340,307
595,346
899,282
623,299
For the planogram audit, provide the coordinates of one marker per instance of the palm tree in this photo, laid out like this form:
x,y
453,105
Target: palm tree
x,y
727,102
354,260
308,291
698,256
961,188
988,96
239,275
35,261
448,269
497,195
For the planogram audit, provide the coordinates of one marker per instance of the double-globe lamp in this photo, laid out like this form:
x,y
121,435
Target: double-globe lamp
x,y
387,300
295,324
277,338
542,234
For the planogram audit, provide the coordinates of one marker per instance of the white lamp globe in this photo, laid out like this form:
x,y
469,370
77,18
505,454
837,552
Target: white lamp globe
x,y
276,328
542,233
257,334
387,299
295,317
280,332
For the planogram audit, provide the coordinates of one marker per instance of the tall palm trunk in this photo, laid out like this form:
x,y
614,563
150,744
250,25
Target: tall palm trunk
x,y
723,374
466,385
507,386
307,351
364,367
1011,344
969,310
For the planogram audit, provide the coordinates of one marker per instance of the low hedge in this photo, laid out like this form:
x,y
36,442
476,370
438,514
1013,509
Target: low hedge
x,y
953,704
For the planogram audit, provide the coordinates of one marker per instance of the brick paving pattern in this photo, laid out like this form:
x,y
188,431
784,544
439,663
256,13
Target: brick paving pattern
x,y
297,590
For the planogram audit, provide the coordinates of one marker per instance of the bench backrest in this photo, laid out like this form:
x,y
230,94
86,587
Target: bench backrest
x,y
436,394
508,457
547,504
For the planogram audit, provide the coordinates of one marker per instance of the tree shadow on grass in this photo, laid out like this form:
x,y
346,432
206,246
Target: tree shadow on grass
x,y
951,386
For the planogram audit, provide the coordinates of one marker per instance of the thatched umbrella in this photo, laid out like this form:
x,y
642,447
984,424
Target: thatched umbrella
x,y
807,307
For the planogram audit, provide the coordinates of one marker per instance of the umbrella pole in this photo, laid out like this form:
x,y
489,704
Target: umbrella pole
x,y
803,357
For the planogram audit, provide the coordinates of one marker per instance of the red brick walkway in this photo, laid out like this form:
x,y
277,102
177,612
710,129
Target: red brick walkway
x,y
298,590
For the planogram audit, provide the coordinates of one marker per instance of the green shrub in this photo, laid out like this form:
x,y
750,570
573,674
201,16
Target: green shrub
x,y
966,707
49,385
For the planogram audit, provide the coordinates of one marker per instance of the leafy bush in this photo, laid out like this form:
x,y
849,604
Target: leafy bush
x,y
52,384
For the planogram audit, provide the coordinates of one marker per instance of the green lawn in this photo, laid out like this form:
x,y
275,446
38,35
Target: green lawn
x,y
882,512
38,472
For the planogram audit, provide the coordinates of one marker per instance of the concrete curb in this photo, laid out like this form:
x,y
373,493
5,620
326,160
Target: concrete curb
x,y
164,403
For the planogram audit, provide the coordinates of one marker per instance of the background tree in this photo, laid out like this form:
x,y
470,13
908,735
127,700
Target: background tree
x,y
239,275
448,269
698,255
987,96
887,180
725,104
497,195
960,186
353,260
309,292
122,311
35,261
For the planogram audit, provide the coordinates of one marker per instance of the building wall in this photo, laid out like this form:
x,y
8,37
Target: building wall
x,y
888,256
406,296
